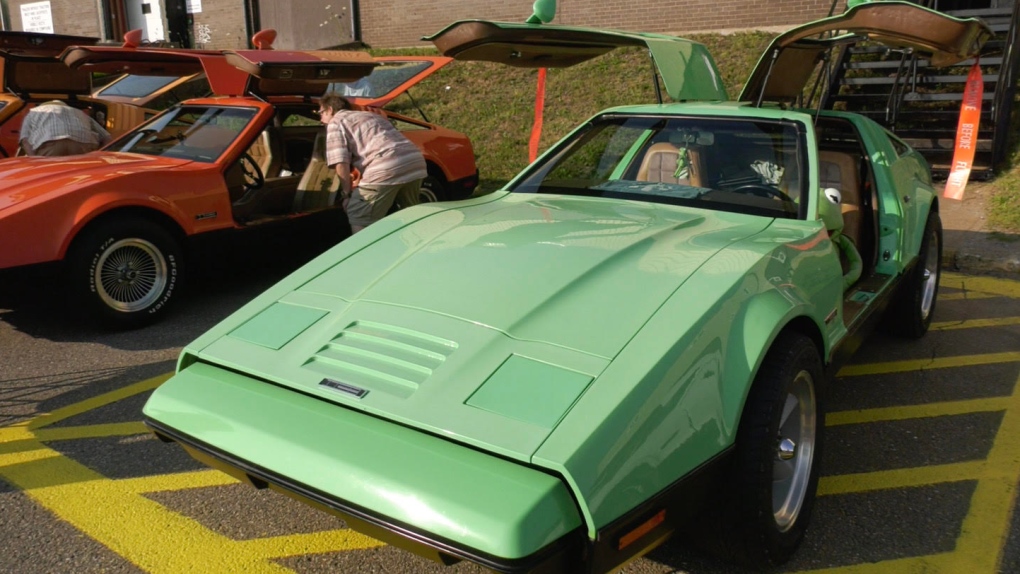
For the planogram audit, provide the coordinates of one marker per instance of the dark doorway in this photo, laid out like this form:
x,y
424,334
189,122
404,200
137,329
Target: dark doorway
x,y
178,23
114,19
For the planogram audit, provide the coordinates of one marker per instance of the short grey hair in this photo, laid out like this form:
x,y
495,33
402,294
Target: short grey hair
x,y
334,102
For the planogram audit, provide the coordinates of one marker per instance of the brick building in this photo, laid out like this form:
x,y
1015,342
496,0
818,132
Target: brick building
x,y
228,24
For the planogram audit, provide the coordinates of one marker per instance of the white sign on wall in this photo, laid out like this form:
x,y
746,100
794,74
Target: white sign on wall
x,y
37,17
194,6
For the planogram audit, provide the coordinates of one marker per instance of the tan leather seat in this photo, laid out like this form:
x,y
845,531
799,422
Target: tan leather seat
x,y
660,163
319,183
267,151
840,170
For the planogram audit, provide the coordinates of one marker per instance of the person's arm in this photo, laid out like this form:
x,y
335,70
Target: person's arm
x,y
343,169
101,134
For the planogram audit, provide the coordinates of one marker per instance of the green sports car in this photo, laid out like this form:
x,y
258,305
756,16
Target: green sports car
x,y
634,333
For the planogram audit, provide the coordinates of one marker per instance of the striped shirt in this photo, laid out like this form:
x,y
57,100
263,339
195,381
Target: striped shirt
x,y
369,142
51,121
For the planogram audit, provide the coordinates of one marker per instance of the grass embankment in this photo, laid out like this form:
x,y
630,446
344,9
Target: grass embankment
x,y
1004,206
494,106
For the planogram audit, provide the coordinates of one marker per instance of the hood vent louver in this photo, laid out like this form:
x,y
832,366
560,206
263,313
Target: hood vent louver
x,y
381,357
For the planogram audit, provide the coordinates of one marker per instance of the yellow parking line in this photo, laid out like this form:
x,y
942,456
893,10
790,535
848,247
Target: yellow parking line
x,y
73,492
310,543
985,529
965,296
97,401
986,285
901,478
975,323
91,431
916,565
907,412
983,535
145,533
176,481
924,364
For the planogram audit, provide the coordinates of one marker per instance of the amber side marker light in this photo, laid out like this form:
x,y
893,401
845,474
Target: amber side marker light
x,y
644,528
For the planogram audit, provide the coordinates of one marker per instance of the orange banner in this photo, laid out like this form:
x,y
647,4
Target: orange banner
x,y
966,134
536,128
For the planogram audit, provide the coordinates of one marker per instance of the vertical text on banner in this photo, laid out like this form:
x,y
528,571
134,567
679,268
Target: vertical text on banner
x,y
966,134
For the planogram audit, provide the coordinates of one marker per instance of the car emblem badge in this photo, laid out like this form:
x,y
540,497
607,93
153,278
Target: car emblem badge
x,y
344,388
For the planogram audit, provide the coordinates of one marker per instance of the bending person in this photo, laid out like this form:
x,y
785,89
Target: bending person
x,y
54,128
367,143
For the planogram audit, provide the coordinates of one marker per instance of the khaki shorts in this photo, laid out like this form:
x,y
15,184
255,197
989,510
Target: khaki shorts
x,y
370,203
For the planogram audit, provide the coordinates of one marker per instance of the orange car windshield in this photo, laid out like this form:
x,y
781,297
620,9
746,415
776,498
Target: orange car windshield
x,y
198,133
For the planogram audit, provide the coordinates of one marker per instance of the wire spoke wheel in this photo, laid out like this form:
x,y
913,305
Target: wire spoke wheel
x,y
130,275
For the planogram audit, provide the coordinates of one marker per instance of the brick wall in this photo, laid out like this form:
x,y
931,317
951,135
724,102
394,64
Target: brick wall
x,y
221,23
395,23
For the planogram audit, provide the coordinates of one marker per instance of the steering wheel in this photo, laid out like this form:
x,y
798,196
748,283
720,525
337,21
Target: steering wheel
x,y
253,178
763,190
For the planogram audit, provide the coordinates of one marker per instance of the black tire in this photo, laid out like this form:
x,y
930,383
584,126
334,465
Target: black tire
x,y
433,188
914,305
124,273
764,518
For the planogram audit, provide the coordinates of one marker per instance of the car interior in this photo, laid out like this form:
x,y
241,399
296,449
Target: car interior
x,y
292,175
844,165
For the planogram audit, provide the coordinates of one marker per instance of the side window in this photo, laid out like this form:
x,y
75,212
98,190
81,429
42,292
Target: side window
x,y
900,147
299,119
195,88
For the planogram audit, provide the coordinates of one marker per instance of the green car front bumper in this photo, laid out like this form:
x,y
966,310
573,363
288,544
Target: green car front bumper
x,y
405,487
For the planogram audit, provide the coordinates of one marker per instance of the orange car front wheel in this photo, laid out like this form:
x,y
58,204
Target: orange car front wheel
x,y
124,273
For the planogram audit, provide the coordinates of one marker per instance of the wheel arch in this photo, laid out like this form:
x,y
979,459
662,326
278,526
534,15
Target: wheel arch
x,y
923,211
159,218
436,170
756,344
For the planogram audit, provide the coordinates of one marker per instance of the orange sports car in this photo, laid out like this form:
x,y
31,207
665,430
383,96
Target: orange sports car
x,y
33,72
449,177
118,219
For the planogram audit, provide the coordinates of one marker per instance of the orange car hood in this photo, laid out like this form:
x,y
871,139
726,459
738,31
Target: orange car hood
x,y
26,178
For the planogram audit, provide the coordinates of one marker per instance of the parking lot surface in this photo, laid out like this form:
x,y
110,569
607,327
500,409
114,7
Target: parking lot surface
x,y
920,468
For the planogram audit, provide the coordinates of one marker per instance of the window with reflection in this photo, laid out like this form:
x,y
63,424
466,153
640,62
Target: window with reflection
x,y
197,133
731,164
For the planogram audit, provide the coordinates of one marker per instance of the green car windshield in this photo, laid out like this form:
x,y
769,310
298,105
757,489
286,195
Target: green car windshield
x,y
727,164
199,133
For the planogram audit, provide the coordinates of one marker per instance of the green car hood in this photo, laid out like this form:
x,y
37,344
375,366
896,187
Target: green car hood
x,y
573,272
462,322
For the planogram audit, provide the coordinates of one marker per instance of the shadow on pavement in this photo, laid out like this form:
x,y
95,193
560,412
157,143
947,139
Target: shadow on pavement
x,y
223,273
